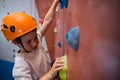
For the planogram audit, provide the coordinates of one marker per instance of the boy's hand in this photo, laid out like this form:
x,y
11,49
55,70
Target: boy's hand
x,y
58,65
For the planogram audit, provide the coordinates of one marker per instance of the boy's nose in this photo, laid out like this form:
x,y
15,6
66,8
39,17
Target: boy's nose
x,y
34,43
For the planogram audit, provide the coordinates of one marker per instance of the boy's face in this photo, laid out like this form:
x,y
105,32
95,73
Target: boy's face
x,y
30,41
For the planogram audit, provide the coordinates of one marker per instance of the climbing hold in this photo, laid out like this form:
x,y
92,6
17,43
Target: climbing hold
x,y
63,4
63,72
14,50
57,9
72,37
8,13
14,56
55,31
60,44
54,46
40,21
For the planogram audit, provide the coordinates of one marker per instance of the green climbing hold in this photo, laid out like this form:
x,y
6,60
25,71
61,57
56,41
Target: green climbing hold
x,y
63,72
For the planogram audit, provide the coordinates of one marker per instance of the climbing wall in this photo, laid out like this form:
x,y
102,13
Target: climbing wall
x,y
98,54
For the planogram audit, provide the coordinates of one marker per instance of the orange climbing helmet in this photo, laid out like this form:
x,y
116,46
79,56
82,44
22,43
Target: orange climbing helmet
x,y
17,24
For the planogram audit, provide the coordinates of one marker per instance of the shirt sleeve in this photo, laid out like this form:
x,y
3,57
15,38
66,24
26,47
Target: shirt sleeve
x,y
21,70
39,36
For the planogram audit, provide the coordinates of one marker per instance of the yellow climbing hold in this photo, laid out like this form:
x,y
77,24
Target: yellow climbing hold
x,y
63,72
55,31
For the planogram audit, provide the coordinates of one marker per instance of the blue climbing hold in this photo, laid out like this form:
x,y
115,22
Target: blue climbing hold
x,y
60,44
72,37
63,4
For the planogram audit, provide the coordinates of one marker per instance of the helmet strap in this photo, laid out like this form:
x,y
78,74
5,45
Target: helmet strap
x,y
20,42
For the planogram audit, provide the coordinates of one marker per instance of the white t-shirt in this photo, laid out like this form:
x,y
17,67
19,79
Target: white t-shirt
x,y
33,65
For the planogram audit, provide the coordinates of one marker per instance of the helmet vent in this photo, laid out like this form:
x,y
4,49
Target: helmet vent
x,y
12,28
4,26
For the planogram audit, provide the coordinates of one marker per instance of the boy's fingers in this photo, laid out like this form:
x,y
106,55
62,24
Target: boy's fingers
x,y
59,68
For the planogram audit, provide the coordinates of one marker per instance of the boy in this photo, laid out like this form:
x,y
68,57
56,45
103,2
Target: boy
x,y
31,62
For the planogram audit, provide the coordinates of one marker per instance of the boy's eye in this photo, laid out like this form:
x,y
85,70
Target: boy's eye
x,y
36,38
29,41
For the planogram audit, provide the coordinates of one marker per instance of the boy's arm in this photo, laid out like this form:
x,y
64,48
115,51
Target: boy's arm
x,y
49,17
51,74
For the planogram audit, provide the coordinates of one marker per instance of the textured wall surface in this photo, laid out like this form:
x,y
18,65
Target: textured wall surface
x,y
98,56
